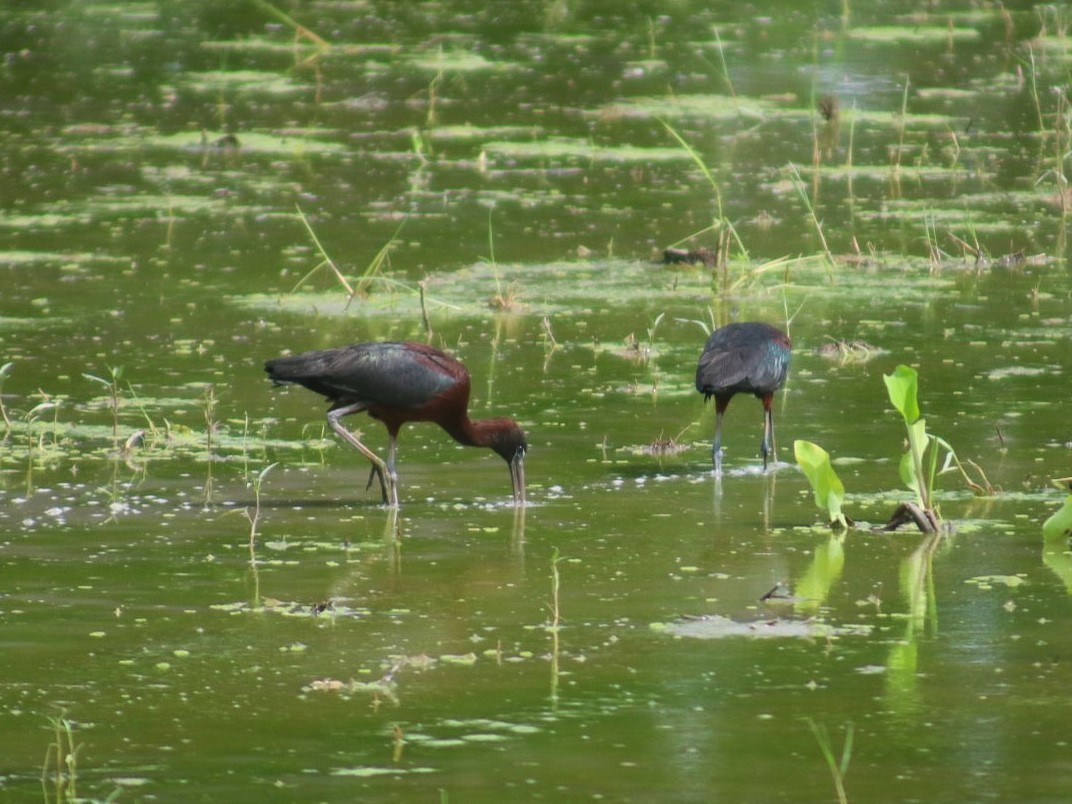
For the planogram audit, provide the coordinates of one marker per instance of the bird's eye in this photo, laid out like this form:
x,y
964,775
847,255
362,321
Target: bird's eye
x,y
521,449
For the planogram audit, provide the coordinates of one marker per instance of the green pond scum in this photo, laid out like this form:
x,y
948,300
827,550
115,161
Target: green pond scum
x,y
201,600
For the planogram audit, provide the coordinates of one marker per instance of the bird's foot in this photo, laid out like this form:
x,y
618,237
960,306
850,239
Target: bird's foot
x,y
768,454
377,473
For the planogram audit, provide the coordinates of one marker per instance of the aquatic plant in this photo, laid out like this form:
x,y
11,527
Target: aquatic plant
x,y
511,299
372,274
374,270
1059,524
725,68
254,515
208,408
51,402
725,228
838,769
814,462
320,46
555,587
898,151
4,371
433,88
553,628
112,386
141,407
803,193
919,465
61,760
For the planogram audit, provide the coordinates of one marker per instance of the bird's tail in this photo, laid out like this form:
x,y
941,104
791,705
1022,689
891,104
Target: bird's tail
x,y
287,369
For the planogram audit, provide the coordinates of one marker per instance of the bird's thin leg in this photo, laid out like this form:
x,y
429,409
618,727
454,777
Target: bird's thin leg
x,y
773,440
767,446
376,474
378,466
372,475
716,448
392,475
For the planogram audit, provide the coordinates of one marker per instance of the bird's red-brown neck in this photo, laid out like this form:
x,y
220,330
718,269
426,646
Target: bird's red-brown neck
x,y
476,433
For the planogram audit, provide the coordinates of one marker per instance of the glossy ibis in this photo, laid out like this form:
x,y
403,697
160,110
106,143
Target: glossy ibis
x,y
745,358
398,383
679,256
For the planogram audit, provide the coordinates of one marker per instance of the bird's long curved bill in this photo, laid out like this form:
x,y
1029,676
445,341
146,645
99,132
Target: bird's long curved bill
x,y
517,478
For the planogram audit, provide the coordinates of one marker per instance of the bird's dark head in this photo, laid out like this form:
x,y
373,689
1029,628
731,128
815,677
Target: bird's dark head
x,y
508,441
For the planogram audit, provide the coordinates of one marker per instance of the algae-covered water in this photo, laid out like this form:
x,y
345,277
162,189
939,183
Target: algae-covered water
x,y
199,600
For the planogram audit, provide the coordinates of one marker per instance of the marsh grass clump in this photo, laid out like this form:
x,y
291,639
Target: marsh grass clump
x,y
637,350
112,387
509,301
50,402
664,447
372,277
838,767
802,191
60,768
727,233
502,301
302,36
4,371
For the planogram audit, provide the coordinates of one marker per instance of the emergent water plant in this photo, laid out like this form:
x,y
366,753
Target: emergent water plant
x,y
919,464
838,769
1059,525
61,760
919,467
112,387
814,462
4,371
253,515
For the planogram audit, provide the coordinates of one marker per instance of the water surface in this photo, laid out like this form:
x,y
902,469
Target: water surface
x,y
521,162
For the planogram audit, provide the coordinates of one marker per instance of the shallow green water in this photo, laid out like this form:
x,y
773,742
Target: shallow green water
x,y
129,601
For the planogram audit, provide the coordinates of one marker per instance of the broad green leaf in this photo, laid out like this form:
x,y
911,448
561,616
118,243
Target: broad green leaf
x,y
814,462
1059,525
912,469
903,388
918,439
907,470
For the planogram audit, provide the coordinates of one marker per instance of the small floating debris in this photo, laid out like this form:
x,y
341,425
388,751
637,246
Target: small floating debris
x,y
716,626
633,349
661,448
854,351
1010,262
780,593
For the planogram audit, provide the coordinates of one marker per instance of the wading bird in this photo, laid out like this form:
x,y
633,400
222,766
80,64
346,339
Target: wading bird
x,y
746,358
398,383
